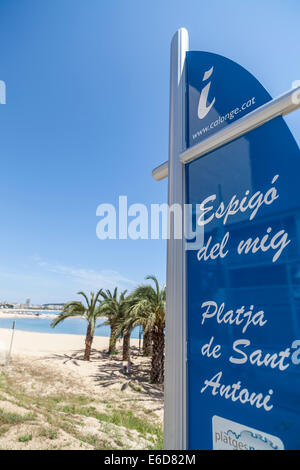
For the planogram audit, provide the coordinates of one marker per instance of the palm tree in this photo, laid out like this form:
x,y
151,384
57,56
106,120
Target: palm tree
x,y
113,308
124,330
90,311
136,317
124,324
147,343
149,309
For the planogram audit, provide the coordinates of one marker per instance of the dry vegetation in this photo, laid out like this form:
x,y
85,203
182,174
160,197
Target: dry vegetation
x,y
62,402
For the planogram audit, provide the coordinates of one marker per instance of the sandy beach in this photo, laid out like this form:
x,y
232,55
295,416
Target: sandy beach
x,y
43,344
103,408
20,314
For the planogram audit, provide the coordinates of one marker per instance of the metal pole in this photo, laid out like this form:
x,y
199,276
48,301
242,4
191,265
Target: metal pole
x,y
11,342
140,337
175,360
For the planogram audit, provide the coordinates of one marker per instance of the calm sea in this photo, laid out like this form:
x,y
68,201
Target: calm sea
x,y
72,326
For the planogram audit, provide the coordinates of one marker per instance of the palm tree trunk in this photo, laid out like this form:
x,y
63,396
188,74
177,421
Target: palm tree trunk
x,y
88,342
126,346
147,343
158,356
112,340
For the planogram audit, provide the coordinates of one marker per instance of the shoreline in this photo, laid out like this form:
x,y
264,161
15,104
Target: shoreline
x,y
42,324
40,344
28,315
19,313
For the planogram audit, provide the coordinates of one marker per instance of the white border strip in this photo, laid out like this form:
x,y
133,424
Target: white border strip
x,y
175,435
280,106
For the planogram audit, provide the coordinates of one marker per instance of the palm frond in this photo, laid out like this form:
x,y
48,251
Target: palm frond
x,y
85,296
62,316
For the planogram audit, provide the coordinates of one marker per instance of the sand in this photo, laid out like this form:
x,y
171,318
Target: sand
x,y
16,314
43,344
49,369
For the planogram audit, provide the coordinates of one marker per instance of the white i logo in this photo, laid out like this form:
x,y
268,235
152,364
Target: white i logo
x,y
203,109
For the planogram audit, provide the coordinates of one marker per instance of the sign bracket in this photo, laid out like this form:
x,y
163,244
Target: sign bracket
x,y
280,106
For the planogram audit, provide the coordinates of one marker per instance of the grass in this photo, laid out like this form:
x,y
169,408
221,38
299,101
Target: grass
x,y
25,438
119,418
8,420
48,433
14,418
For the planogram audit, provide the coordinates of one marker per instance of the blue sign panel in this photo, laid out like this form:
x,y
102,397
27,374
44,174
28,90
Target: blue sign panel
x,y
243,283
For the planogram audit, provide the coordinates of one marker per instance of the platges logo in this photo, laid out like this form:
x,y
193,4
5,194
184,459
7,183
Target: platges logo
x,y
203,107
228,435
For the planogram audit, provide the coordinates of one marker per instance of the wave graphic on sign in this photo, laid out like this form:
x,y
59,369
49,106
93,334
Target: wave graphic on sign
x,y
253,440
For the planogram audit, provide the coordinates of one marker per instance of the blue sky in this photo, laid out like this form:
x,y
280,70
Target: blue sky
x,y
86,120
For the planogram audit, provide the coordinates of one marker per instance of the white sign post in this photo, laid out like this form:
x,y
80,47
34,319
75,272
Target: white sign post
x,y
175,369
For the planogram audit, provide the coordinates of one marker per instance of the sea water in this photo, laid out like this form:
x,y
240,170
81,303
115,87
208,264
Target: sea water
x,y
71,326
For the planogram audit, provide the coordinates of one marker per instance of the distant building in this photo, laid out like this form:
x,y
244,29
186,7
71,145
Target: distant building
x,y
6,305
57,306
